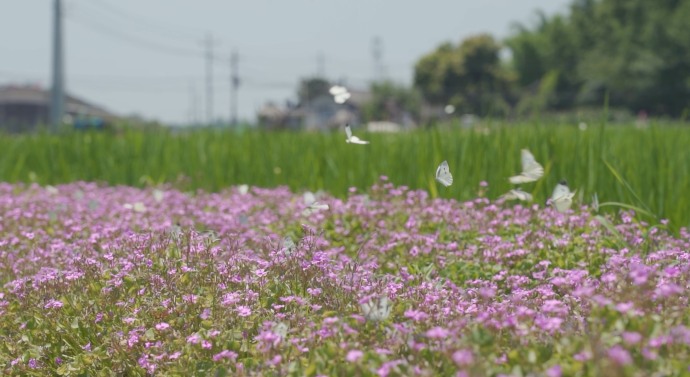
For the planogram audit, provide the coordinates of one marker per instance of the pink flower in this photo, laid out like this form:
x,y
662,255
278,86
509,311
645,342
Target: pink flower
x,y
243,311
53,304
619,355
162,326
87,347
483,183
463,357
353,355
129,320
206,344
437,333
624,307
175,355
415,315
194,338
205,314
631,337
260,272
554,371
225,354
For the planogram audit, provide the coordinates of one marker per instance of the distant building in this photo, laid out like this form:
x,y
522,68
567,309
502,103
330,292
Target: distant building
x,y
321,113
383,126
24,108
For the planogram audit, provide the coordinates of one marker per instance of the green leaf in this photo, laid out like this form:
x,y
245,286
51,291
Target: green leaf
x,y
611,229
628,206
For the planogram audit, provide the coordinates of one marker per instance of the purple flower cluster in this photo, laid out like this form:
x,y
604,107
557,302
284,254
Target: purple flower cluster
x,y
471,288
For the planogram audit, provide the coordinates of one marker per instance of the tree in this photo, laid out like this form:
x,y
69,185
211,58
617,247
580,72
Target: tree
x,y
636,50
391,101
468,76
311,88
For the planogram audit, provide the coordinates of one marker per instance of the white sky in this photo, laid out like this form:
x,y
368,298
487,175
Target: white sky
x,y
278,42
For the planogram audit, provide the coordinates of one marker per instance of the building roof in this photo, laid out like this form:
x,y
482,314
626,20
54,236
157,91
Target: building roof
x,y
33,95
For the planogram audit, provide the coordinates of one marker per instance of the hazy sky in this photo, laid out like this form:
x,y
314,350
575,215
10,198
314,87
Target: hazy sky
x,y
147,56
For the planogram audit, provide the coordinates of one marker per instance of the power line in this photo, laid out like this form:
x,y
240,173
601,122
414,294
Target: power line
x,y
105,30
103,5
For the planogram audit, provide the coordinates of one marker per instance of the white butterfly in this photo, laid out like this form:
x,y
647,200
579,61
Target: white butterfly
x,y
337,89
243,189
443,174
531,169
313,208
562,198
351,138
309,198
376,310
339,93
51,189
595,202
137,207
517,194
280,329
158,195
288,245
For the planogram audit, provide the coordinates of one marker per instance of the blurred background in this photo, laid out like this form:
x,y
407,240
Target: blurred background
x,y
212,93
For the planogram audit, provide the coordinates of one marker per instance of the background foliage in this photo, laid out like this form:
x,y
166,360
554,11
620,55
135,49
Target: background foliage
x,y
636,50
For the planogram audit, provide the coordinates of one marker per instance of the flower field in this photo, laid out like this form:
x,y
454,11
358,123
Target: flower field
x,y
118,281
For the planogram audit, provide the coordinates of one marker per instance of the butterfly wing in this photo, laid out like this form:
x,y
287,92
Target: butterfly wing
x,y
348,131
309,198
563,203
243,189
531,169
562,198
443,175
524,196
561,190
517,194
510,195
288,245
533,172
384,309
526,159
158,195
313,208
356,140
366,309
518,179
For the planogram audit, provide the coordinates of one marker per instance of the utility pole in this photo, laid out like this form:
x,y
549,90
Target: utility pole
x,y
193,113
377,52
209,43
321,65
57,91
234,85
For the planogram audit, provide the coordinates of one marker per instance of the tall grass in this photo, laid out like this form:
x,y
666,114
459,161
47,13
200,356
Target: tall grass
x,y
655,161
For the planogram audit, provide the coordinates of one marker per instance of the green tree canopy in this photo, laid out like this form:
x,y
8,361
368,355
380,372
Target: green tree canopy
x,y
311,88
637,50
468,76
390,100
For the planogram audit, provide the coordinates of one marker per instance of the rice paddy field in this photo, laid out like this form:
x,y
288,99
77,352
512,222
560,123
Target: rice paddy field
x,y
648,168
138,254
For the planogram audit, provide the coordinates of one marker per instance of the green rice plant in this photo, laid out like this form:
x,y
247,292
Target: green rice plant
x,y
655,161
